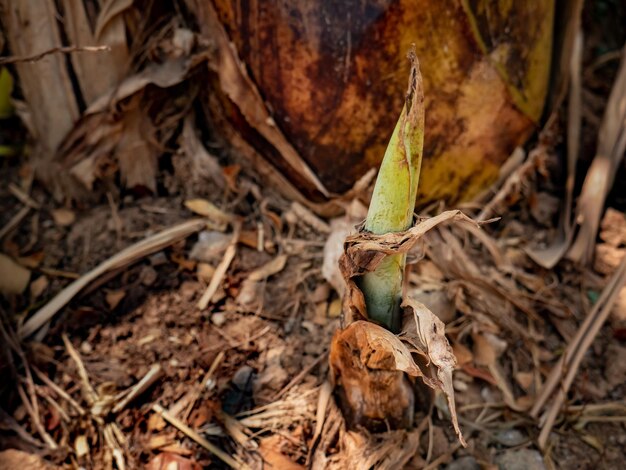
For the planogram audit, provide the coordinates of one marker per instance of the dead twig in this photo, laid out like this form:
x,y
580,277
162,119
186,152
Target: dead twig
x,y
193,435
573,356
601,175
23,197
88,391
155,372
54,50
220,271
14,222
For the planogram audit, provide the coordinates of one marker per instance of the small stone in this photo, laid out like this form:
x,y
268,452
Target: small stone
x,y
218,318
148,275
242,377
464,463
510,437
523,459
158,259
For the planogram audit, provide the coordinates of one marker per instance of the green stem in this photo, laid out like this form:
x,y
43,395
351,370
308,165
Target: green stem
x,y
393,202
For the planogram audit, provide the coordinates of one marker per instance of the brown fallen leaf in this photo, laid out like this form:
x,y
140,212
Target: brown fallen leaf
x,y
114,297
14,278
273,458
12,459
367,365
38,286
63,217
424,330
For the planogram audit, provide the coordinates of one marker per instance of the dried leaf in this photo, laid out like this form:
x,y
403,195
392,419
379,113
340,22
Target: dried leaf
x,y
525,380
14,459
379,348
136,157
14,278
462,353
63,217
269,269
208,209
38,286
426,332
269,449
368,365
340,228
114,297
205,272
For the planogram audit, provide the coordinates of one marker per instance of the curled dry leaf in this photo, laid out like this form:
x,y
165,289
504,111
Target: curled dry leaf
x,y
426,332
369,363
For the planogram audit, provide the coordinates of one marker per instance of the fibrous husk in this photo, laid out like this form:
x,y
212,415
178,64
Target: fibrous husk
x,y
328,73
370,365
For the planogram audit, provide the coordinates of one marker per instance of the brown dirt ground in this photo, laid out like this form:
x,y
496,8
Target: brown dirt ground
x,y
282,330
261,355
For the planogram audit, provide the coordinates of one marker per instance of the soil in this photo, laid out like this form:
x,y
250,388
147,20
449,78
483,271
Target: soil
x,y
147,314
247,372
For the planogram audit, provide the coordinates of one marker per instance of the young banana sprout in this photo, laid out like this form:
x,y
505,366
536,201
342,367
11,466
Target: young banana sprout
x,y
393,202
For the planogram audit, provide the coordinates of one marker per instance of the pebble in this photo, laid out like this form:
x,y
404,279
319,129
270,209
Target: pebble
x,y
242,376
523,459
510,437
218,318
464,463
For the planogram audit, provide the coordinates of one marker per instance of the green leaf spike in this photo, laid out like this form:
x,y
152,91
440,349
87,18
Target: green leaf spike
x,y
393,202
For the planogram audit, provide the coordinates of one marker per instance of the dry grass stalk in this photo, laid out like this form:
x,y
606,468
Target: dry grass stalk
x,y
154,374
125,257
182,427
221,269
601,174
54,50
562,375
